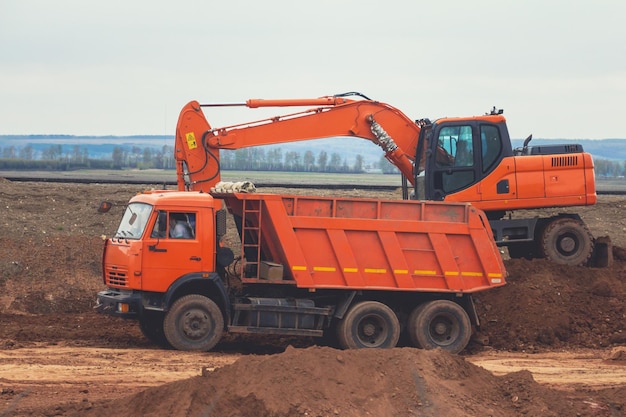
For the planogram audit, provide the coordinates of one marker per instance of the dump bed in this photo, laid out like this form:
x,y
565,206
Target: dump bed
x,y
347,243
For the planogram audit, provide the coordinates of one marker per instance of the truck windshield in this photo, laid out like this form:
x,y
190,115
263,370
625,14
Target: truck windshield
x,y
134,221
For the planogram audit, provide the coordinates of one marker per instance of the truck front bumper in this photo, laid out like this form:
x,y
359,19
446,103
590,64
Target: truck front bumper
x,y
119,303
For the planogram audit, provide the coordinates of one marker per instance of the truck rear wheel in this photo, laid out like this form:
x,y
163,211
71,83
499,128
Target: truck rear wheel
x,y
194,322
439,324
368,324
567,241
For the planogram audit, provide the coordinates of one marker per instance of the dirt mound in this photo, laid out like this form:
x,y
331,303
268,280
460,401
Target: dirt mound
x,y
320,381
548,306
617,355
50,274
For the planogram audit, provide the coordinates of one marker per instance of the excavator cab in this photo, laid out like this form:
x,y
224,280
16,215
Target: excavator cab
x,y
459,153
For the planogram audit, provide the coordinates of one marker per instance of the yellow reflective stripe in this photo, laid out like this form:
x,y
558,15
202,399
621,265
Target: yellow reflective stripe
x,y
299,268
400,271
424,272
375,271
452,273
494,275
350,270
472,274
324,268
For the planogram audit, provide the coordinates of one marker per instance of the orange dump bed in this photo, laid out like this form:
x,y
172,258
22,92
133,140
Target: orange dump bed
x,y
317,242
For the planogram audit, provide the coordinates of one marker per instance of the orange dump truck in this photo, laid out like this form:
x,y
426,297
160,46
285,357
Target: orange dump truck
x,y
360,270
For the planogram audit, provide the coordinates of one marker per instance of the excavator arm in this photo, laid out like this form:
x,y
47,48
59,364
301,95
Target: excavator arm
x,y
198,144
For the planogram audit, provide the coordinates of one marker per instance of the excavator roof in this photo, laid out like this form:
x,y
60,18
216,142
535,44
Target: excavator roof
x,y
491,118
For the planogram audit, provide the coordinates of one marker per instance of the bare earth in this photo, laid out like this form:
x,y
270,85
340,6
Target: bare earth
x,y
552,342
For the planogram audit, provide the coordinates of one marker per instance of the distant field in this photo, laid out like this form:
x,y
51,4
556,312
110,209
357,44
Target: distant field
x,y
611,185
260,177
162,176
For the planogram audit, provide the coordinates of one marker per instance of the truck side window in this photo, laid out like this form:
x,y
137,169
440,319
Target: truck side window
x,y
160,225
182,225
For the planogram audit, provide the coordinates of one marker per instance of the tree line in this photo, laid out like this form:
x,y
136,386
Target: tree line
x,y
56,157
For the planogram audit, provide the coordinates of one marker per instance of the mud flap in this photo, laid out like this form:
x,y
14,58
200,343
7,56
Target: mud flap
x,y
603,252
470,308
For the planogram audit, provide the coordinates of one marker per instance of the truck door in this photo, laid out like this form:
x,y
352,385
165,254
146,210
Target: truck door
x,y
172,249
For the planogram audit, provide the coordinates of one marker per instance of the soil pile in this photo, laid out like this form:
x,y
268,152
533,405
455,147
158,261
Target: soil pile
x,y
549,306
319,381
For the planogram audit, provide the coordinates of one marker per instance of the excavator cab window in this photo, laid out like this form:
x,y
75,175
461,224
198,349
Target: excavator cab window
x,y
491,146
455,158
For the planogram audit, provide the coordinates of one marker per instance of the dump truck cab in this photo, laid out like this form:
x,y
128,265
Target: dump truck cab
x,y
165,245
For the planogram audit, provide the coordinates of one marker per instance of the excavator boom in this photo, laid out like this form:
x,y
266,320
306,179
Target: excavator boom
x,y
198,144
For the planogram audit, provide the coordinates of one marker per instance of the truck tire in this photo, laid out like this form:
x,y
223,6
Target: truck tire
x,y
439,324
194,322
368,324
567,241
151,325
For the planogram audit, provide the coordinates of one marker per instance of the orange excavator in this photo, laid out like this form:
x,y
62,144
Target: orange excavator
x,y
465,159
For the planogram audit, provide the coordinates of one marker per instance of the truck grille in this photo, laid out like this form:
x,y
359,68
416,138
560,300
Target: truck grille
x,y
116,278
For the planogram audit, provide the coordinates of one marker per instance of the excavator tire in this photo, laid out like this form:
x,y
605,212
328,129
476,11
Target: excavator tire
x,y
567,241
368,324
439,324
194,322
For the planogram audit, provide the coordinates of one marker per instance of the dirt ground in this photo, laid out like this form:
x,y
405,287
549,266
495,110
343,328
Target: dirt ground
x,y
552,341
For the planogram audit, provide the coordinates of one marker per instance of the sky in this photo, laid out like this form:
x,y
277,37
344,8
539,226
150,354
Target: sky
x,y
127,67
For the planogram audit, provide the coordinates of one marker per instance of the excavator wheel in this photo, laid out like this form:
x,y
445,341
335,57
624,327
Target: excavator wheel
x,y
368,324
440,324
194,322
567,241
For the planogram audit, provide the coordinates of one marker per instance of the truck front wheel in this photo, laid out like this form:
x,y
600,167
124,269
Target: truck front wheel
x,y
194,322
440,324
368,324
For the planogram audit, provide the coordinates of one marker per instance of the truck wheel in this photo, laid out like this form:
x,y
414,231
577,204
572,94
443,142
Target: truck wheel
x,y
368,324
439,324
194,322
567,241
151,325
